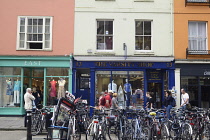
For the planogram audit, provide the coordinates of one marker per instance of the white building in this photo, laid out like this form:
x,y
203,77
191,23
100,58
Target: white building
x,y
124,39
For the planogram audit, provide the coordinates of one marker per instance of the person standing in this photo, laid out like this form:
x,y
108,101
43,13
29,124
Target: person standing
x,y
28,98
150,101
184,99
114,104
168,101
108,99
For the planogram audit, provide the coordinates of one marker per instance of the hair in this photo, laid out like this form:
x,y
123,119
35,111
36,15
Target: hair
x,y
183,89
169,93
28,89
114,95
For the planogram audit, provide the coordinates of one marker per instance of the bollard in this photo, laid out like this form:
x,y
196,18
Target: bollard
x,y
29,135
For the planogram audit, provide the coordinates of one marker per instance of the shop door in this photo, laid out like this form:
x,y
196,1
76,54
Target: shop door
x,y
34,79
205,96
156,91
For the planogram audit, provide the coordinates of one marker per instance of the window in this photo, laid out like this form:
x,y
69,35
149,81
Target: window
x,y
34,33
197,36
143,35
104,35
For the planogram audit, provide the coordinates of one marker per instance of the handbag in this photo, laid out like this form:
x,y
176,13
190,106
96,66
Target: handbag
x,y
188,106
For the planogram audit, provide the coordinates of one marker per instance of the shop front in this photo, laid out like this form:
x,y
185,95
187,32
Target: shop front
x,y
195,79
91,78
44,75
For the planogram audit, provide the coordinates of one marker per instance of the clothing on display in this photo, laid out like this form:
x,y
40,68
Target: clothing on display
x,y
112,86
120,94
61,90
9,87
127,89
17,85
53,88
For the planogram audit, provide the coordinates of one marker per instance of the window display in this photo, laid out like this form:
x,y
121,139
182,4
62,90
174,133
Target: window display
x,y
121,82
9,87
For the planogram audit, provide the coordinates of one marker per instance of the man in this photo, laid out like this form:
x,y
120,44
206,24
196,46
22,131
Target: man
x,y
108,99
28,98
184,99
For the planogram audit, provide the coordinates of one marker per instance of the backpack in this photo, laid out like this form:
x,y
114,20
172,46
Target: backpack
x,y
173,102
103,101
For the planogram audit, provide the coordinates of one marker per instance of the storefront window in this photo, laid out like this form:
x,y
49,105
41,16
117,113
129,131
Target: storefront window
x,y
57,84
115,80
190,84
10,87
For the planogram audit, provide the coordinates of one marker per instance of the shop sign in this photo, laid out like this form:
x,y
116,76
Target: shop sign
x,y
154,76
206,73
32,63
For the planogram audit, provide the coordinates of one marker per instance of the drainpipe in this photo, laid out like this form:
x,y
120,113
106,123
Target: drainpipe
x,y
70,73
172,31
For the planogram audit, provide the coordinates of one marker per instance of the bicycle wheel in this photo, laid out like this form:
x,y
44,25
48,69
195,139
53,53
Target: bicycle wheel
x,y
145,134
186,132
76,134
164,132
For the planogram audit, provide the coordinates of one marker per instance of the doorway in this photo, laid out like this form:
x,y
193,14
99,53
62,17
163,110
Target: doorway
x,y
34,79
156,91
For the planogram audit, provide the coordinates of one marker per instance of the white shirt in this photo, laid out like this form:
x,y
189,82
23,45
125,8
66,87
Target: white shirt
x,y
28,98
184,97
112,86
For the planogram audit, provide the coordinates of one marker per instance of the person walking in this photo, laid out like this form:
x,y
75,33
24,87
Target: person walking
x,y
28,98
184,99
168,103
114,104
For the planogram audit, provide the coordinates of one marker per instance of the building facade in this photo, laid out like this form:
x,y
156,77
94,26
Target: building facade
x,y
123,41
36,49
191,21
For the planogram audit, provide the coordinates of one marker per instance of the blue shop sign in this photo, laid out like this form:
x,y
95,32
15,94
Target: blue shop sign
x,y
110,64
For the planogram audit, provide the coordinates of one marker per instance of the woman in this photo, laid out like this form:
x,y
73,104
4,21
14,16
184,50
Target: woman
x,y
150,101
168,101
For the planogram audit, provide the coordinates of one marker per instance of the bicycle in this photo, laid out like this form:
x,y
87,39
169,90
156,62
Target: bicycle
x,y
139,130
179,127
39,120
97,128
159,130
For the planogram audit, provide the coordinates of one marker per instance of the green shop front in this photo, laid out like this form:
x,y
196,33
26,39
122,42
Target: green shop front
x,y
41,74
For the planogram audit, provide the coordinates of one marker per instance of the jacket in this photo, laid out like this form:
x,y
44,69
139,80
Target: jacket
x,y
28,98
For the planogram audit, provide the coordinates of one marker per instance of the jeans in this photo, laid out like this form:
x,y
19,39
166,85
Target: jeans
x,y
128,94
168,109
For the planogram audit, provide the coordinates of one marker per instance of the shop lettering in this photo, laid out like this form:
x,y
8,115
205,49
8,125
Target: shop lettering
x,y
32,63
123,64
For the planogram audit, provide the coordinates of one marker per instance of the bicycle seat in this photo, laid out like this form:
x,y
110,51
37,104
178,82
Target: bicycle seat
x,y
152,114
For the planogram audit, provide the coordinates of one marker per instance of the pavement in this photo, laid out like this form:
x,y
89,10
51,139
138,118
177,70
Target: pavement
x,y
12,123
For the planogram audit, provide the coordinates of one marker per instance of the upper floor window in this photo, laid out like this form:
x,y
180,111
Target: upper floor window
x,y
34,33
143,35
197,36
104,34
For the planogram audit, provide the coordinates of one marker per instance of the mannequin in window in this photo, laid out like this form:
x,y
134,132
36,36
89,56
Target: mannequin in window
x,y
121,98
112,86
127,90
61,90
53,90
9,90
17,85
